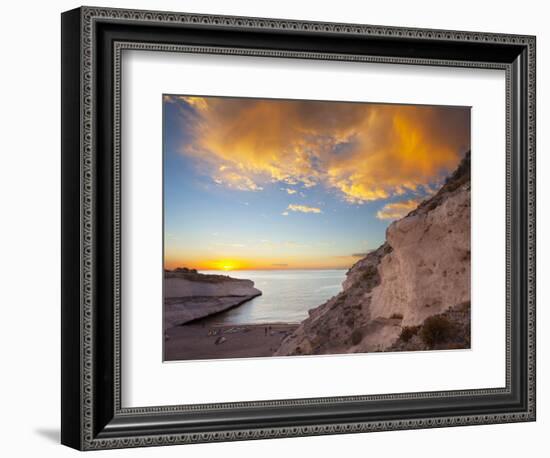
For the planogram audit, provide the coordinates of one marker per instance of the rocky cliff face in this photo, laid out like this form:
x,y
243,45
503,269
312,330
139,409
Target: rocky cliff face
x,y
189,295
189,283
415,285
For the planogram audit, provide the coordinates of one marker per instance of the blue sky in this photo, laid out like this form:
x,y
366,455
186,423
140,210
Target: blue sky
x,y
248,185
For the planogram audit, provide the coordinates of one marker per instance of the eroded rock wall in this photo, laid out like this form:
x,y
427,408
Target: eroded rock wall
x,y
422,270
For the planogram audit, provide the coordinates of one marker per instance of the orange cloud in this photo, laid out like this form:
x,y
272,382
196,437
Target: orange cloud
x,y
397,210
234,180
364,151
303,209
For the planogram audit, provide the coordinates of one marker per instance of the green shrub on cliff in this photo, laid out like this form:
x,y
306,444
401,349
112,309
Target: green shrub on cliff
x,y
437,329
356,336
408,332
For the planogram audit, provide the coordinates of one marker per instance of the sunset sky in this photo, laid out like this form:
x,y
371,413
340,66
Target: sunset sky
x,y
290,184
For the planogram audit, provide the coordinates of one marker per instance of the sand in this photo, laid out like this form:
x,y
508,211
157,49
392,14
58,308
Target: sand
x,y
201,340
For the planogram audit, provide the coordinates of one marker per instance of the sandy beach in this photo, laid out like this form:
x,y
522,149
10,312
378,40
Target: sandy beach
x,y
203,340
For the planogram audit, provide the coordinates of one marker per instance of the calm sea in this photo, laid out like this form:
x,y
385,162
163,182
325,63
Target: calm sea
x,y
287,295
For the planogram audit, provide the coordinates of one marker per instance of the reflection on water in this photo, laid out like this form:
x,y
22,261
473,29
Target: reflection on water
x,y
287,295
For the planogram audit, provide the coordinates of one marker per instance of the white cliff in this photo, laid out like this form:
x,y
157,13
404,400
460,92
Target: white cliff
x,y
421,271
189,295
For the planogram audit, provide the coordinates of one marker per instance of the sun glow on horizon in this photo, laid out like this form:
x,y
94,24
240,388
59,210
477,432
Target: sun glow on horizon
x,y
225,264
228,265
272,184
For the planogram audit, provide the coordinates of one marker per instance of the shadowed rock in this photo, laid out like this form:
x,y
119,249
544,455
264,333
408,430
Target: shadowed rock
x,y
189,295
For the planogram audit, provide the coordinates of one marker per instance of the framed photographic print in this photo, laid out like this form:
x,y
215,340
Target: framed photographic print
x,y
315,184
277,228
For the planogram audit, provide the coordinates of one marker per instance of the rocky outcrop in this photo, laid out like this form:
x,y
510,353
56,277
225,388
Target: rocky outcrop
x,y
421,271
189,295
444,331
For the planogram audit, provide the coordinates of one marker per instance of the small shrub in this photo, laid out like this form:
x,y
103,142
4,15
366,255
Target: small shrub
x,y
370,277
408,332
437,329
431,206
464,306
396,316
356,336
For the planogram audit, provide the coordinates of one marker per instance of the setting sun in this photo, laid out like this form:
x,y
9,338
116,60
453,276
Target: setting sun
x,y
226,264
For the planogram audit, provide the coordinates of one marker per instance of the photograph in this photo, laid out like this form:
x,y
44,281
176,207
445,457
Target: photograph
x,y
308,227
267,228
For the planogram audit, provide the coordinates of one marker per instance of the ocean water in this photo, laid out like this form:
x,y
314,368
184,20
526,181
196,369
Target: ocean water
x,y
287,295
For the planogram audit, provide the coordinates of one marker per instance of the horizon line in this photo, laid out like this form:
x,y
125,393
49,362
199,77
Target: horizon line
x,y
290,268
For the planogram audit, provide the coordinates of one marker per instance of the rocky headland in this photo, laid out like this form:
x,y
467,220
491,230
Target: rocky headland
x,y
191,332
412,293
190,296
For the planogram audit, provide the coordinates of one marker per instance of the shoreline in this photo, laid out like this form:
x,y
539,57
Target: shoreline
x,y
201,340
230,306
190,295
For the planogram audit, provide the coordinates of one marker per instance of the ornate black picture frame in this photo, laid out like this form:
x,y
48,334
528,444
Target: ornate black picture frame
x,y
92,42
